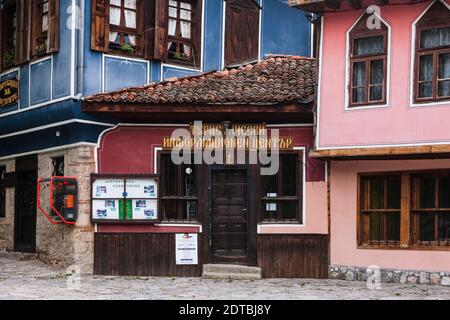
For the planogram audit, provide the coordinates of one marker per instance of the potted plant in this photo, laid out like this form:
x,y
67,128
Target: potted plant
x,y
127,48
10,58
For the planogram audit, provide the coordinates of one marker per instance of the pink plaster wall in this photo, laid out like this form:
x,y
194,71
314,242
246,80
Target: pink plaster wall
x,y
343,179
398,123
316,215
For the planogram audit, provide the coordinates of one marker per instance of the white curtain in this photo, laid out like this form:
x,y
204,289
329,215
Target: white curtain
x,y
114,16
172,27
426,74
444,73
435,38
186,29
359,80
113,36
130,19
372,45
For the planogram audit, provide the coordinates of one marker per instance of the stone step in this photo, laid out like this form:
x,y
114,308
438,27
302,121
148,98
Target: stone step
x,y
19,256
229,271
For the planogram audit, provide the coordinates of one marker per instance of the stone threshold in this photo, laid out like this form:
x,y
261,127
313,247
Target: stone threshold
x,y
373,275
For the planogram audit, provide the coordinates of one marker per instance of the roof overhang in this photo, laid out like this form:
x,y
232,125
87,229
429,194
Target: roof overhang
x,y
323,6
384,153
269,113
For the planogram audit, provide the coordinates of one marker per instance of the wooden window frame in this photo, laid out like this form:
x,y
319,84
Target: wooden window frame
x,y
364,211
137,32
356,35
180,199
435,53
279,199
408,224
4,39
51,44
196,24
2,192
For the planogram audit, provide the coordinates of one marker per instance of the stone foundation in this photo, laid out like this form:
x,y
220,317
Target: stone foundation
x,y
7,223
389,275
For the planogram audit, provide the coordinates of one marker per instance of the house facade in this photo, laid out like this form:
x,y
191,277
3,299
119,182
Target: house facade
x,y
56,53
382,99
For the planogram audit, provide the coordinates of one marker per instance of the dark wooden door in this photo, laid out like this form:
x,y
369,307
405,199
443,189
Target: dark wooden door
x,y
25,205
229,227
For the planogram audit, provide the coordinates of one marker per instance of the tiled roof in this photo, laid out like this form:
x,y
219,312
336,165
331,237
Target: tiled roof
x,y
276,79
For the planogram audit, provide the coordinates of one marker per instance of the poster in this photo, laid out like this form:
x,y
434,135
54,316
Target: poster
x,y
144,209
186,249
142,188
108,188
105,209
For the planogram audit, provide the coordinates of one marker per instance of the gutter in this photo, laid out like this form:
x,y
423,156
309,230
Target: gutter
x,y
80,57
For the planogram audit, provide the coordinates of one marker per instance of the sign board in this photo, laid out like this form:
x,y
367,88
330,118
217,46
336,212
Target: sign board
x,y
186,249
125,199
9,92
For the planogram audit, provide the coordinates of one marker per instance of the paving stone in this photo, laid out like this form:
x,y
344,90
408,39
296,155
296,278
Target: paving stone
x,y
35,280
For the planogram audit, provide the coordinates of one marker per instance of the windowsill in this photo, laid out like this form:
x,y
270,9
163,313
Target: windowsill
x,y
179,222
282,223
124,54
178,64
399,247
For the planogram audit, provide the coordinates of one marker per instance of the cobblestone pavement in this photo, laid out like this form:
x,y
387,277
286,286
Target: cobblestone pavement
x,y
35,280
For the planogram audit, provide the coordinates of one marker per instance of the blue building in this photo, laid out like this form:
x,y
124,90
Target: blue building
x,y
56,52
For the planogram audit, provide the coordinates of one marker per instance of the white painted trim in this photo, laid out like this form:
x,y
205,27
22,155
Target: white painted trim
x,y
118,57
284,125
311,40
64,147
152,125
155,159
412,62
278,226
97,145
55,124
190,225
12,70
261,3
222,60
319,86
385,145
347,68
73,45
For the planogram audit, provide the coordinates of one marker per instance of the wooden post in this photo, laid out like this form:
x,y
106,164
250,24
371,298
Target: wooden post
x,y
405,211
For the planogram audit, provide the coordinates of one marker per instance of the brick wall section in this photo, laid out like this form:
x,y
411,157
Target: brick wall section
x,y
7,223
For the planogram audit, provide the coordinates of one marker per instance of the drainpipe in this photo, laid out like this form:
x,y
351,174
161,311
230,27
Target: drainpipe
x,y
80,63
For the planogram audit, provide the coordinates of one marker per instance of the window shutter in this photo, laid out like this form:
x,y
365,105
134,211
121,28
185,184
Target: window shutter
x,y
53,37
149,20
34,26
23,32
160,42
100,25
242,32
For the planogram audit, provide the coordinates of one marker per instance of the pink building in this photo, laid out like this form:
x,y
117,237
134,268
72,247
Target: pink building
x,y
382,110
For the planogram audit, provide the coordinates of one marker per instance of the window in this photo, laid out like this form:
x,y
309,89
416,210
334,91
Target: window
x,y
179,190
431,209
45,27
241,32
124,29
179,32
281,200
2,192
432,80
8,29
164,30
380,209
406,209
58,167
368,61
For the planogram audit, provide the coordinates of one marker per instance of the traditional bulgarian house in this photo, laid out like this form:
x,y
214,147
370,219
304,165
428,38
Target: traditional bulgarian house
x,y
383,97
183,61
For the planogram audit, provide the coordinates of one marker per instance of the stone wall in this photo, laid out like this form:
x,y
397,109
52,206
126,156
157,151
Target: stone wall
x,y
389,275
61,244
7,223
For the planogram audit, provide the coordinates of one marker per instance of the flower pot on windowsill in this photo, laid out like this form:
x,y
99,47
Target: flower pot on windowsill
x,y
41,50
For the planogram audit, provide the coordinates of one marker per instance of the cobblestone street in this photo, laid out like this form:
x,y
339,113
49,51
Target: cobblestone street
x,y
35,280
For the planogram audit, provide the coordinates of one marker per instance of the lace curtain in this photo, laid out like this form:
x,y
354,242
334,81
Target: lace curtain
x,y
369,46
435,38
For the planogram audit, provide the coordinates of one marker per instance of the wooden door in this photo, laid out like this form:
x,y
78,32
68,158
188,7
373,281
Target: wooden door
x,y
229,221
25,205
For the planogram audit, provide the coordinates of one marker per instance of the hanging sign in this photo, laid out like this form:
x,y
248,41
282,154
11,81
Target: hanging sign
x,y
186,249
9,91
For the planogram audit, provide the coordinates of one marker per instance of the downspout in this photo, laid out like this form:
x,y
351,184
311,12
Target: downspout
x,y
80,62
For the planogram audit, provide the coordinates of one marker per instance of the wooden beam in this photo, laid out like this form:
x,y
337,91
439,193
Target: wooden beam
x,y
405,209
382,152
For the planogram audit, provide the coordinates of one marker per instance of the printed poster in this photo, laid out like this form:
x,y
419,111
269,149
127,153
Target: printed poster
x,y
108,188
145,209
186,249
142,189
105,209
